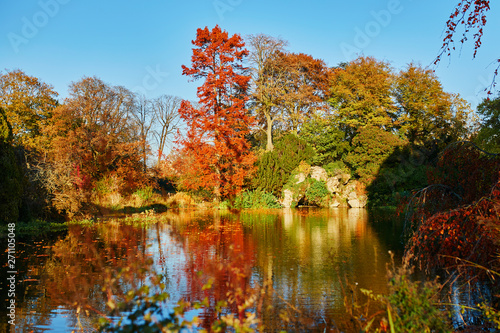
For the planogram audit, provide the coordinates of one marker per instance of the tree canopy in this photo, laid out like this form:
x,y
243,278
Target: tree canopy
x,y
217,129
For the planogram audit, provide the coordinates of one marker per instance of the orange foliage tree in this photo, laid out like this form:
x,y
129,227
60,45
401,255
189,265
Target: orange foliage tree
x,y
426,113
93,137
221,157
304,84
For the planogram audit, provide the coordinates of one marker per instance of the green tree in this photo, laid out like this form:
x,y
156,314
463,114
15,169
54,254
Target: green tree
x,y
370,148
275,167
327,140
488,137
10,177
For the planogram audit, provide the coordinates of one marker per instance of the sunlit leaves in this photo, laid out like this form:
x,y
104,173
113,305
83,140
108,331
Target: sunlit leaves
x,y
361,94
28,103
488,137
426,113
215,139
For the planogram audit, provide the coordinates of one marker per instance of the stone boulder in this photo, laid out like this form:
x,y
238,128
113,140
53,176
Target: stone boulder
x,y
344,178
287,198
300,178
334,203
319,173
290,199
333,185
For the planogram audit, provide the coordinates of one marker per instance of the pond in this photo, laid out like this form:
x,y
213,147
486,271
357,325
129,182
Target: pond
x,y
301,261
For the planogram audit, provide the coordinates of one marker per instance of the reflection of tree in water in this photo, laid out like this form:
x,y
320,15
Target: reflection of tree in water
x,y
32,306
82,270
219,254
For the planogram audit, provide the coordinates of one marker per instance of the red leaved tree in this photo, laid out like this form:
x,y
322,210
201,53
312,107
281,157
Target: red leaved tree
x,y
215,140
471,15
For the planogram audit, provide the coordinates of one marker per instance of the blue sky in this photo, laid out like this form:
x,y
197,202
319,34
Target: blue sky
x,y
142,44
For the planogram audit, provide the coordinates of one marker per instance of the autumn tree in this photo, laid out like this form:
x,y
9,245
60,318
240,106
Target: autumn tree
x,y
304,87
166,117
216,132
28,103
362,95
267,82
426,113
93,136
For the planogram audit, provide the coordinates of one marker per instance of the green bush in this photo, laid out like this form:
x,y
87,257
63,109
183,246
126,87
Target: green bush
x,y
371,148
256,199
317,193
145,193
410,306
334,168
414,306
274,167
327,140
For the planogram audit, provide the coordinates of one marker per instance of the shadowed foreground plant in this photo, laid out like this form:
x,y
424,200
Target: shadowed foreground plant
x,y
410,306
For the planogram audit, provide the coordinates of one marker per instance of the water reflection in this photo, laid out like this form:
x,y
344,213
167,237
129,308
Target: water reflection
x,y
301,255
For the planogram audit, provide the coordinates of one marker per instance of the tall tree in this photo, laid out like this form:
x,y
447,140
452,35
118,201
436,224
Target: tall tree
x,y
361,95
28,103
304,86
217,128
427,114
166,115
268,82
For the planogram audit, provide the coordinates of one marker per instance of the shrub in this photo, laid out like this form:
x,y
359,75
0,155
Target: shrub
x,y
256,199
274,167
371,148
144,193
317,193
410,307
413,305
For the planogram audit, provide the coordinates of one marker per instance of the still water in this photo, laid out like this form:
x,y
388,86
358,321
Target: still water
x,y
301,261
